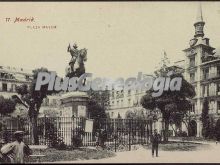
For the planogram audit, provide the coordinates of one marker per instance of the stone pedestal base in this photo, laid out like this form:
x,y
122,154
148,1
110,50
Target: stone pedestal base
x,y
74,104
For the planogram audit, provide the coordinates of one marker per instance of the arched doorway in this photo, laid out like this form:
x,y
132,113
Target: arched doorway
x,y
217,129
192,128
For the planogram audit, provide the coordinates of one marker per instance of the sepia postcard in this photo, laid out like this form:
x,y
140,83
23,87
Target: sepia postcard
x,y
110,82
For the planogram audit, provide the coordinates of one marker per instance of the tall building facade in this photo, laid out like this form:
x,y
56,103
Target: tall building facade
x,y
202,70
121,102
10,77
126,100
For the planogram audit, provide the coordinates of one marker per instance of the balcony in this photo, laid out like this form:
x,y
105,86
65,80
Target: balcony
x,y
209,76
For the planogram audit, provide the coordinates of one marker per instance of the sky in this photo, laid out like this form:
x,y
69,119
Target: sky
x,y
122,38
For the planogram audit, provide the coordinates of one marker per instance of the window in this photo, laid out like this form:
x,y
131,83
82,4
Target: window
x,y
47,101
129,92
122,103
54,102
192,61
117,94
212,105
112,114
27,77
192,77
4,87
192,110
129,102
205,73
205,91
118,103
218,105
218,89
122,93
218,71
113,94
12,88
212,89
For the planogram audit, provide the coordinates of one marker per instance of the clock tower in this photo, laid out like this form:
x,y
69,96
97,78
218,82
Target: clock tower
x,y
197,54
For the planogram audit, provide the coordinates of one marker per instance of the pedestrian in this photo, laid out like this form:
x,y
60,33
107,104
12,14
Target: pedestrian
x,y
97,139
17,150
155,138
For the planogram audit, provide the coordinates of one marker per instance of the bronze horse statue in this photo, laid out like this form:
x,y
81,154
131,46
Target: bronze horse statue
x,y
76,65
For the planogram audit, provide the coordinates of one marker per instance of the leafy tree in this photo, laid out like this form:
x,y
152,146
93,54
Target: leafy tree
x,y
34,99
177,119
51,113
7,105
98,103
95,110
48,129
170,102
212,131
217,130
138,114
205,118
97,106
100,97
208,126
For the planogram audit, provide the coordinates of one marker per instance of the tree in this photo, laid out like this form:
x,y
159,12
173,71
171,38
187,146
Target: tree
x,y
208,127
95,110
170,102
217,130
98,103
7,105
50,113
34,99
138,114
205,118
176,119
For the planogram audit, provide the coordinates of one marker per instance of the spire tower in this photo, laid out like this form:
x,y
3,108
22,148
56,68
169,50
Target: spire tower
x,y
199,24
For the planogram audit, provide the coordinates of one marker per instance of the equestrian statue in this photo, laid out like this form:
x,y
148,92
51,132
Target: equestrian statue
x,y
76,65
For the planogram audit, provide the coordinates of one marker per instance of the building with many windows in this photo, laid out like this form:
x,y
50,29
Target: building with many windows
x,y
120,102
202,70
10,77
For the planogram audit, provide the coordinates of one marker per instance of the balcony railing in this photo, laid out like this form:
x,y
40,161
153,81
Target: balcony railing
x,y
209,76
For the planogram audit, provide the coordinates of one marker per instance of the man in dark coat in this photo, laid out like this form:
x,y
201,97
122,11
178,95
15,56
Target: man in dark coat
x,y
155,138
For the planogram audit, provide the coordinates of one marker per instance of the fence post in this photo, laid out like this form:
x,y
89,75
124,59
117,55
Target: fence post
x,y
44,134
115,137
18,122
129,140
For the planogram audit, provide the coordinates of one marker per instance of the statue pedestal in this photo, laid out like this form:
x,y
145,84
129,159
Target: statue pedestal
x,y
74,104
